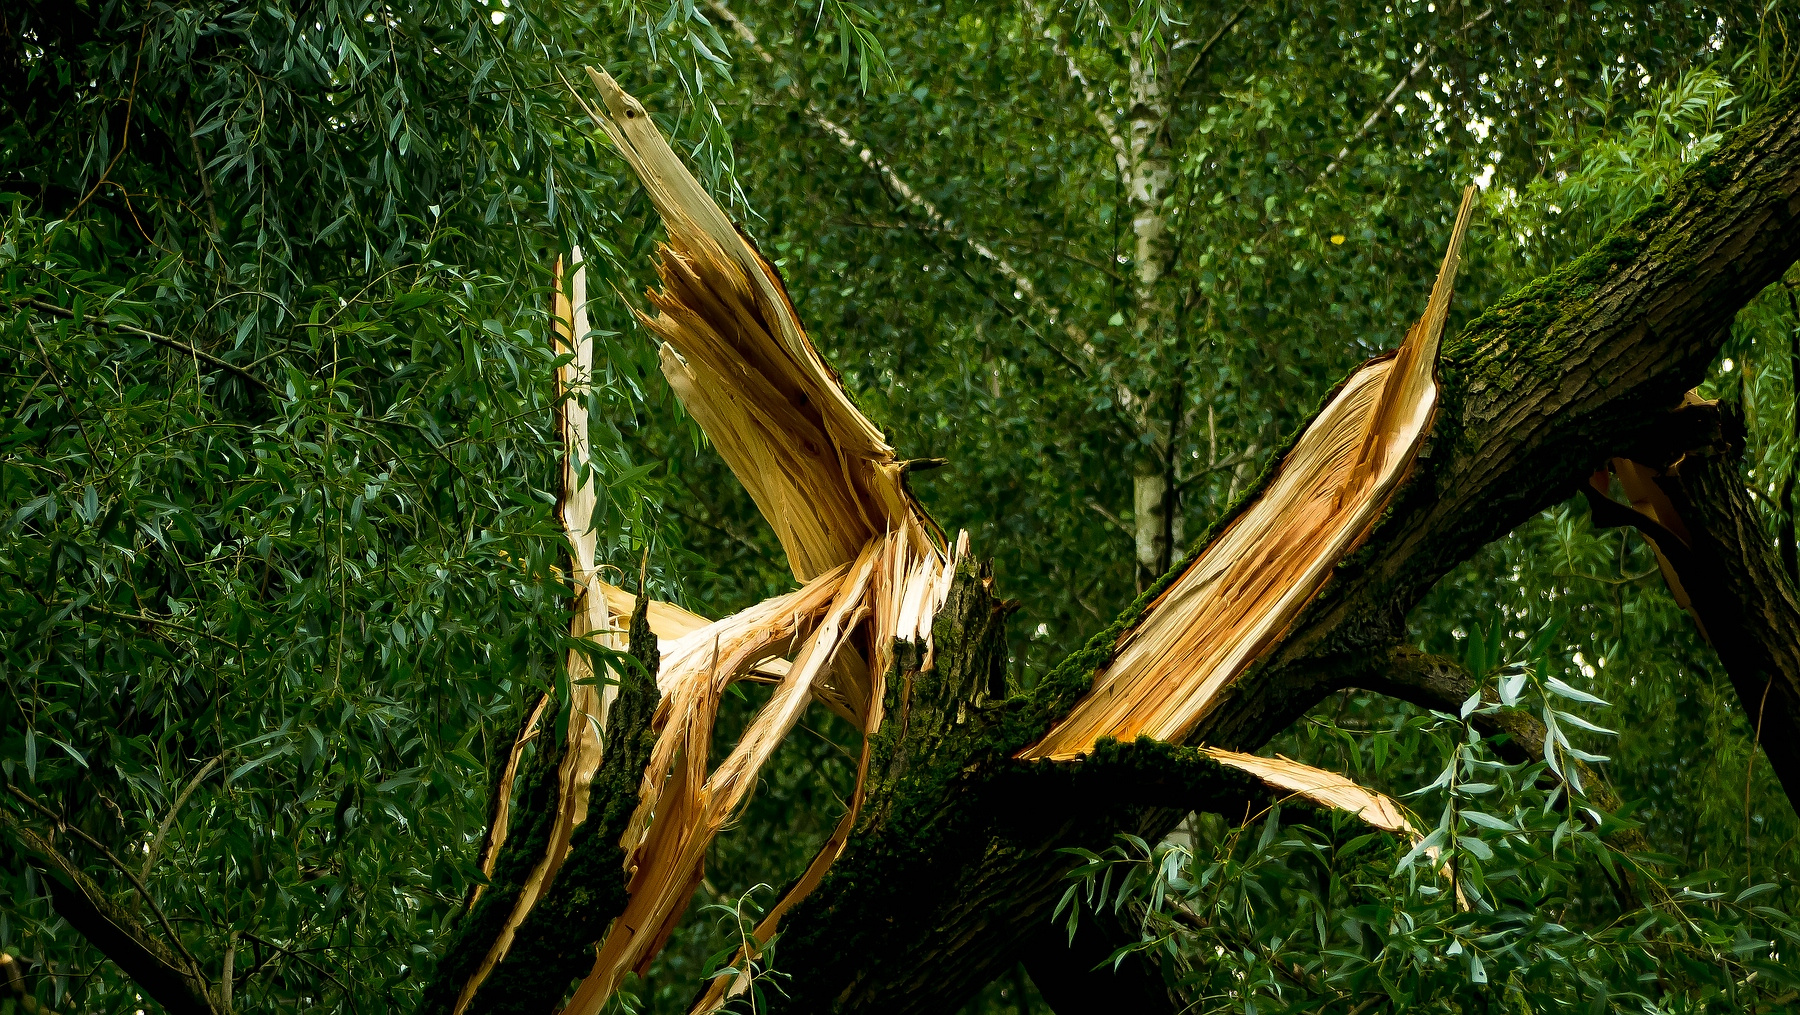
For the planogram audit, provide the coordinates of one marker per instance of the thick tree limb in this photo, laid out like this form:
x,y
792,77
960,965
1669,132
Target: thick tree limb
x,y
118,865
953,863
1544,386
1078,976
1441,683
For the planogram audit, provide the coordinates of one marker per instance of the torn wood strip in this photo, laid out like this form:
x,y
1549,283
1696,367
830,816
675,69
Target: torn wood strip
x,y
698,668
667,621
1654,516
500,808
1236,599
913,600
736,354
1329,789
591,698
670,623
1413,381
692,806
588,700
1321,787
724,987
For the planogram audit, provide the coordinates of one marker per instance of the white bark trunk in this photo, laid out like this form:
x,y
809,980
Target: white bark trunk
x,y
1159,533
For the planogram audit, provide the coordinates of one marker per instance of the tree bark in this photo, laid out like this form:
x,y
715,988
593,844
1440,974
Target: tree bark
x,y
1739,587
954,867
1080,976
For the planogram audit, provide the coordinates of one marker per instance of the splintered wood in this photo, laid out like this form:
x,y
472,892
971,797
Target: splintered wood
x,y
736,354
874,570
1666,532
872,562
592,619
1236,599
1321,787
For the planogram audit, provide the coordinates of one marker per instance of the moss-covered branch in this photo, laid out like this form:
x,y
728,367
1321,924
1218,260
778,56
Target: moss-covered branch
x,y
158,971
955,866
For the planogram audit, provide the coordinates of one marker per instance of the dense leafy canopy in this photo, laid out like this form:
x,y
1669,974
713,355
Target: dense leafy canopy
x,y
276,466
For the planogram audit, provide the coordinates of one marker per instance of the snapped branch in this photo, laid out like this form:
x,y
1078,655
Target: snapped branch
x,y
1714,551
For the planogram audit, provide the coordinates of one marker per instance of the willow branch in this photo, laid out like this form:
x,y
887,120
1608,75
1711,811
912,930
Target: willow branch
x,y
111,930
1388,102
903,193
163,340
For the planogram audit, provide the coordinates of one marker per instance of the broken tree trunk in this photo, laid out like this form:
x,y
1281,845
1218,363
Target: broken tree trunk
x,y
1722,566
951,859
1747,603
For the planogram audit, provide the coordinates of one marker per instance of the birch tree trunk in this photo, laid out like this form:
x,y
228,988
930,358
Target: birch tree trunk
x,y
1156,500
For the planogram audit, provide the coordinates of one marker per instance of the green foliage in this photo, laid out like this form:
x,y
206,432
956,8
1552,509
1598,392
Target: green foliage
x,y
750,968
1282,916
1515,895
277,456
269,625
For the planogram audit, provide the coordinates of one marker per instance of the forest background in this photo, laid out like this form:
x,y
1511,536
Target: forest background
x,y
277,454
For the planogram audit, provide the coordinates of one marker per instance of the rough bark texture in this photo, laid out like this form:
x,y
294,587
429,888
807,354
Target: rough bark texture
x,y
954,867
1740,588
1079,976
554,946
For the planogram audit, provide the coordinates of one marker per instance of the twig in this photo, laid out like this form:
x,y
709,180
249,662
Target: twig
x,y
164,340
1014,243
160,622
321,970
1230,461
162,831
1374,117
1206,50
13,985
901,191
124,135
1750,766
1101,116
1109,516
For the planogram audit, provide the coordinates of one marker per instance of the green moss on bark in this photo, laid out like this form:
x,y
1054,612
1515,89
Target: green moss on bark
x,y
554,946
534,814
